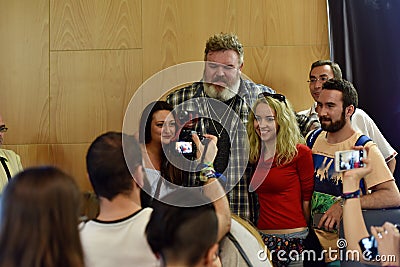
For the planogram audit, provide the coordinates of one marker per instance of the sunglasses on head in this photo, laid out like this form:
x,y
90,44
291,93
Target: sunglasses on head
x,y
279,97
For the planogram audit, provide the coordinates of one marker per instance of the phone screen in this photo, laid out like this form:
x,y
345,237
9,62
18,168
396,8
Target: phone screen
x,y
184,147
369,247
349,159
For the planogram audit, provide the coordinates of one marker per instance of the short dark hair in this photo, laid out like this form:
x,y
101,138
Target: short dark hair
x,y
349,93
147,117
182,233
337,72
111,160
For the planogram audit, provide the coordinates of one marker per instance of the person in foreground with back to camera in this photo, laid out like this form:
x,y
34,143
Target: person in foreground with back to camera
x,y
283,176
10,161
387,235
39,220
116,236
320,72
223,100
336,104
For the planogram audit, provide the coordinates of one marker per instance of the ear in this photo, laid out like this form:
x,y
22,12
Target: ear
x,y
241,66
211,258
349,111
138,176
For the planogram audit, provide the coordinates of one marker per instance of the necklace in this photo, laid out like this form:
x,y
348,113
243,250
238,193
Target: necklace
x,y
220,119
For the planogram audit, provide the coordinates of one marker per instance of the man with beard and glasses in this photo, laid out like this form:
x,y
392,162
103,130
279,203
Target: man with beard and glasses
x,y
10,162
221,102
321,71
336,104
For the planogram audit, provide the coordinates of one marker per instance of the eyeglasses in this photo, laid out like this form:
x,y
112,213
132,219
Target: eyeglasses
x,y
3,129
279,97
314,80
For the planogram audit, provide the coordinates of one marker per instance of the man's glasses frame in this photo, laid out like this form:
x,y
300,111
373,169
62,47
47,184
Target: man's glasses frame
x,y
3,129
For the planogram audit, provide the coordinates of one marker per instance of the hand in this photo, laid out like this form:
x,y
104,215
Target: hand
x,y
331,219
388,238
212,149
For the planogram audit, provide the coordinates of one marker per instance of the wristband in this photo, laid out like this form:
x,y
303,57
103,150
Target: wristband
x,y
355,194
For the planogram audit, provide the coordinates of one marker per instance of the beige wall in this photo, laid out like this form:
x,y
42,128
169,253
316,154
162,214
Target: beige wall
x,y
68,68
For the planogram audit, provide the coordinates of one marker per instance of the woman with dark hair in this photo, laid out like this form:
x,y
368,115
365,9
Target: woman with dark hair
x,y
157,128
283,178
39,220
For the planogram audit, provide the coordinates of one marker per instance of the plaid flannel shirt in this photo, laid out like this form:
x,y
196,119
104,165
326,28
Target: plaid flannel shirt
x,y
241,201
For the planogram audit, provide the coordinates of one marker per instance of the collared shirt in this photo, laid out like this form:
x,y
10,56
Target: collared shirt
x,y
362,122
193,98
14,165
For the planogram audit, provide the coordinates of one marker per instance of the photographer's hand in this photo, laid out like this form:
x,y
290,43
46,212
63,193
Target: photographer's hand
x,y
210,152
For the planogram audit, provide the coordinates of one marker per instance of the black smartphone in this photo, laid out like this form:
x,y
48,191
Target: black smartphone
x,y
369,247
316,219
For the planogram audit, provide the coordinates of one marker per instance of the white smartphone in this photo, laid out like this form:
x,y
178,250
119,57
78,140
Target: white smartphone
x,y
349,159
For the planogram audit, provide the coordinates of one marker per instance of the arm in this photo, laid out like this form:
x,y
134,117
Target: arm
x,y
215,192
391,164
384,195
213,188
307,210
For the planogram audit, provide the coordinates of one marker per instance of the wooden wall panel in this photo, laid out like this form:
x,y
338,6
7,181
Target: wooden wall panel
x,y
90,91
69,68
32,155
285,69
92,24
24,69
72,159
283,22
175,31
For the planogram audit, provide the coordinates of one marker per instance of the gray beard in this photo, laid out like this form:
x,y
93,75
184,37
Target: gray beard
x,y
225,95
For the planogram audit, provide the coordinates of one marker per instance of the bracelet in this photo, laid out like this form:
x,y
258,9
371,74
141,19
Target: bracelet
x,y
355,194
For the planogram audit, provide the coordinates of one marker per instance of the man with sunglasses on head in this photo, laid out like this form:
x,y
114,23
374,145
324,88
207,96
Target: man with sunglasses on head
x,y
321,71
10,161
222,100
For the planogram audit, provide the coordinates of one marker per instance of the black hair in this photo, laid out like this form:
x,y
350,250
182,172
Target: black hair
x,y
337,72
111,161
182,234
349,93
147,117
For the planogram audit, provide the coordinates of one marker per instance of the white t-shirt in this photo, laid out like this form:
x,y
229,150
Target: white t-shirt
x,y
118,243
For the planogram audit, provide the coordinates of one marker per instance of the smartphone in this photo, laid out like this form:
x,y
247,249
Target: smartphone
x,y
369,247
184,147
316,219
349,159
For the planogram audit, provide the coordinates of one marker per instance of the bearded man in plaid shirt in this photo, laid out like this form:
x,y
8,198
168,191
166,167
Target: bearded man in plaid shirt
x,y
219,105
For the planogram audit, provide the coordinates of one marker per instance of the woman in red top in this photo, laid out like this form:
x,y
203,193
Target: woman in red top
x,y
283,177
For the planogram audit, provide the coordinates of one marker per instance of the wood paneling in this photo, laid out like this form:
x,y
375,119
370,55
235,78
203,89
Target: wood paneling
x,y
69,68
32,155
89,92
285,69
175,31
92,24
24,65
282,23
72,160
